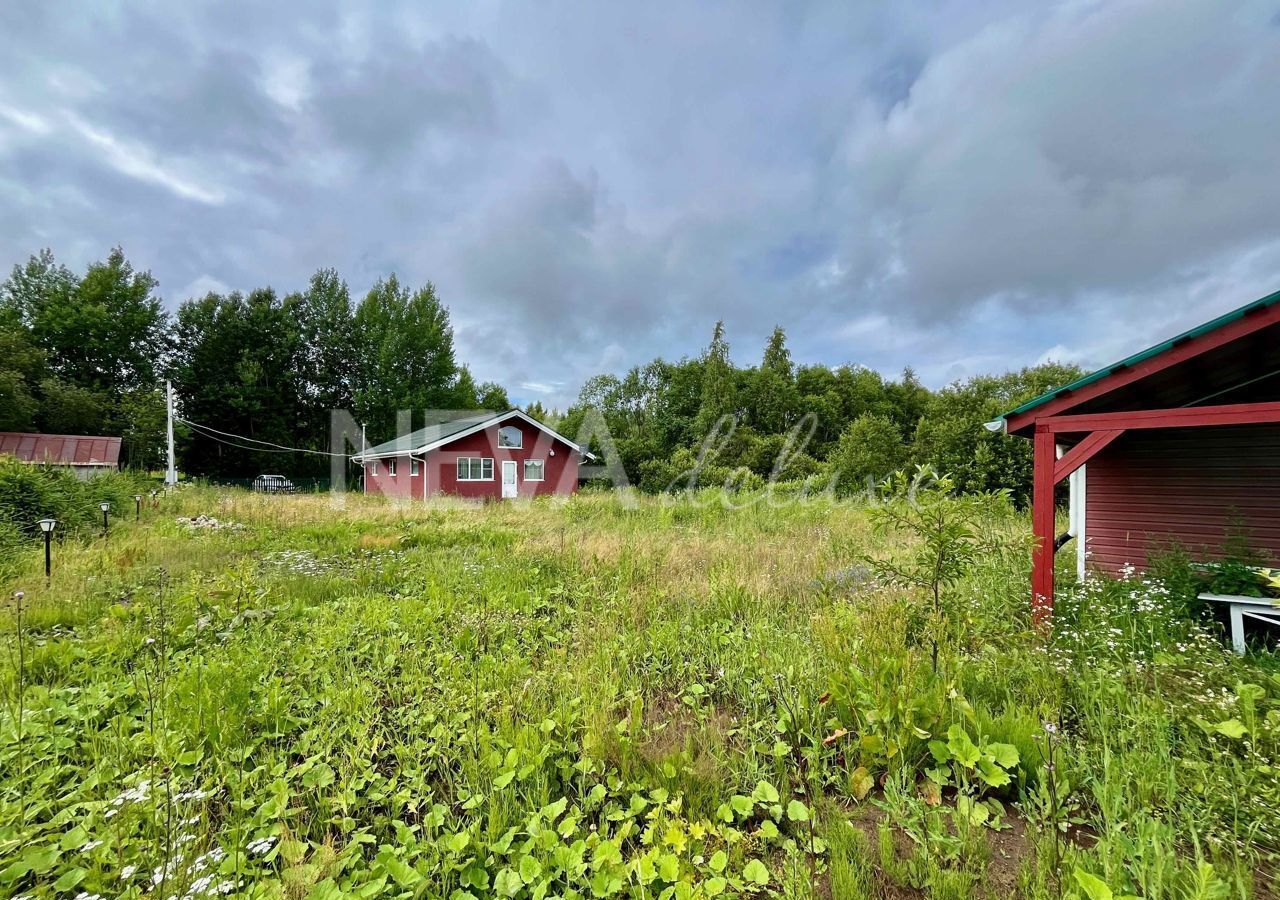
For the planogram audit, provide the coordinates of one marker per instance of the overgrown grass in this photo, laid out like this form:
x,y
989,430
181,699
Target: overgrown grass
x,y
581,698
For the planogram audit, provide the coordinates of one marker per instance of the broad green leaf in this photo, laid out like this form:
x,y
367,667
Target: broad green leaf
x,y
992,774
755,872
962,747
669,867
329,890
508,883
75,838
402,872
718,861
530,869
1232,728
1094,887
1006,755
797,811
765,792
70,879
860,782
320,776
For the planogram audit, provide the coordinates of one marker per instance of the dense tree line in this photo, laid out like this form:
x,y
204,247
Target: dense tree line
x,y
89,354
832,426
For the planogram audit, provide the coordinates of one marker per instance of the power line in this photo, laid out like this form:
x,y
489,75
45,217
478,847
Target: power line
x,y
269,446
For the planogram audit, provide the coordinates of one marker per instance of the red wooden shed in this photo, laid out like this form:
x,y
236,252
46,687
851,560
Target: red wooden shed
x,y
1177,443
486,455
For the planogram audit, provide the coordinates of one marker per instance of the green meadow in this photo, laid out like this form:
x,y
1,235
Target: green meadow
x,y
660,698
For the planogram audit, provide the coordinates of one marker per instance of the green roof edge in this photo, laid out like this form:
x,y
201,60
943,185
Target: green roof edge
x,y
1144,355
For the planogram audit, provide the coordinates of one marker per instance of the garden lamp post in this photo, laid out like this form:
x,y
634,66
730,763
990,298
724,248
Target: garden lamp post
x,y
46,527
137,513
105,507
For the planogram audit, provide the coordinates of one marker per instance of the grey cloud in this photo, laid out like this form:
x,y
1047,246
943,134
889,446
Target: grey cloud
x,y
954,187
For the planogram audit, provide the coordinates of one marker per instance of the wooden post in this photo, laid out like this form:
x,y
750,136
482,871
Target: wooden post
x,y
1042,510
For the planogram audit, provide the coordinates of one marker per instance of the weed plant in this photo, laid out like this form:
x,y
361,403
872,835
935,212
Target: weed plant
x,y
585,698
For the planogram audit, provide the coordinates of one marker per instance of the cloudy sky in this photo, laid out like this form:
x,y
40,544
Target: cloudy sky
x,y
959,187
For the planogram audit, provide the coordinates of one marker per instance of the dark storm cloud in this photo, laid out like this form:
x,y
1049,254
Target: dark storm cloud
x,y
962,189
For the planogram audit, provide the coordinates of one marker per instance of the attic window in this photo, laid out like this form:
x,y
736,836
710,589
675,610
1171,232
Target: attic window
x,y
510,436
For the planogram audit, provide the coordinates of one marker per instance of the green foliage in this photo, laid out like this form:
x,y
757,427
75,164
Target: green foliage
x,y
658,700
405,343
950,436
948,538
29,493
849,421
87,354
868,451
81,355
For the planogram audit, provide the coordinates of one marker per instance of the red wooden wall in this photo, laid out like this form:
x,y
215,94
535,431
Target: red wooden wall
x,y
560,467
1191,485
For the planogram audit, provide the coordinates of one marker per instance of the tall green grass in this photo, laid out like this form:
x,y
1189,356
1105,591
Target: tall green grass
x,y
589,698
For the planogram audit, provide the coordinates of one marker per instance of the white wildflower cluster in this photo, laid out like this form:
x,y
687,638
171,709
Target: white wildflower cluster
x,y
297,562
207,523
261,846
202,872
1136,625
136,794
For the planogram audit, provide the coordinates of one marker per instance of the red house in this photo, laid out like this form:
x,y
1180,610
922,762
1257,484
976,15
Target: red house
x,y
1178,443
487,455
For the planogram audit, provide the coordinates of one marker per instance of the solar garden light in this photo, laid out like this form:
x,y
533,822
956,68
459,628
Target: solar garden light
x,y
105,507
137,513
47,526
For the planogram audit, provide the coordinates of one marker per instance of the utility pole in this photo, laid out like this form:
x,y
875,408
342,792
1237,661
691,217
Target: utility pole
x,y
171,473
364,463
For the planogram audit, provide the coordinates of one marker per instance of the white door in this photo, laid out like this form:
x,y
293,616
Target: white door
x,y
508,478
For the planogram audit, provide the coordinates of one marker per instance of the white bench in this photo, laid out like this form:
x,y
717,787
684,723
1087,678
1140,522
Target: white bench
x,y
1264,609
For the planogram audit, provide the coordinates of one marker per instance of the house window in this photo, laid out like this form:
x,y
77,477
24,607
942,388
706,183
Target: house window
x,y
373,467
475,468
413,466
391,468
510,436
533,469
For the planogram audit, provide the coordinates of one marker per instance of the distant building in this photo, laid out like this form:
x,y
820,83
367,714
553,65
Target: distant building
x,y
1176,444
486,456
85,455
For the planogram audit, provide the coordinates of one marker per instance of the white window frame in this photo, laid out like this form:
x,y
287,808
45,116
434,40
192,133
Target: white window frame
x,y
373,467
518,445
542,465
413,466
391,468
483,461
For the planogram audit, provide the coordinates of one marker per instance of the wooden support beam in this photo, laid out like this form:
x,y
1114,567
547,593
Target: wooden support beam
x,y
1082,452
1259,318
1042,509
1180,417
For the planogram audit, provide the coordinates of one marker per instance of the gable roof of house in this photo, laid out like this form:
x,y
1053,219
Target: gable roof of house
x,y
1130,363
61,449
441,433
